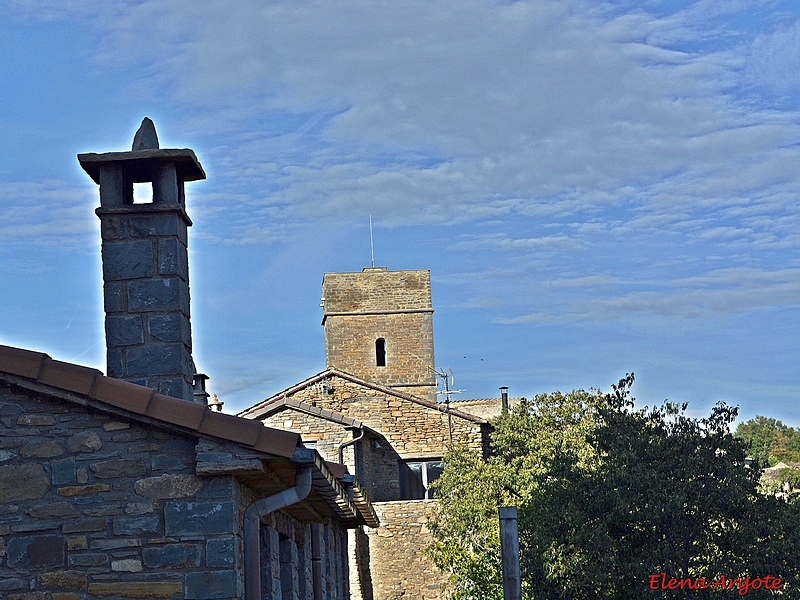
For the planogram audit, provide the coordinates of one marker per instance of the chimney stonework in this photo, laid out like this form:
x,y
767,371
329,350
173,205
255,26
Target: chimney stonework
x,y
145,263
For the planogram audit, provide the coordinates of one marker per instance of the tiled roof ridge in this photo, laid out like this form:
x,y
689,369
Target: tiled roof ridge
x,y
91,383
309,409
258,409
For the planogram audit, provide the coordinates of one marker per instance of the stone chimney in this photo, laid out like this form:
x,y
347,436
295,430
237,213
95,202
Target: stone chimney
x,y
145,262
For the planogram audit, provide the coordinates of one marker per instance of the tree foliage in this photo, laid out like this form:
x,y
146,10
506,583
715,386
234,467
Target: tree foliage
x,y
608,495
769,441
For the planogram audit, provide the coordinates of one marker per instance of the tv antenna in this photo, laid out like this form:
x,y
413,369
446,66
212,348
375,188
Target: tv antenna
x,y
447,379
371,242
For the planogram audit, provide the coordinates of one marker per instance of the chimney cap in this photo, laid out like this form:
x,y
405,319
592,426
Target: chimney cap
x,y
145,155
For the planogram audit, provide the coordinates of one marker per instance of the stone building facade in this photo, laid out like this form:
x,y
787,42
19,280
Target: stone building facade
x,y
374,409
110,490
379,326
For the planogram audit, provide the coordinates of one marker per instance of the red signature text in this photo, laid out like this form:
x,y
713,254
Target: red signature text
x,y
741,584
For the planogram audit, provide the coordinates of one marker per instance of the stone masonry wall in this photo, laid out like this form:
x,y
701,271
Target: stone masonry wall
x,y
400,569
395,306
412,429
92,506
96,506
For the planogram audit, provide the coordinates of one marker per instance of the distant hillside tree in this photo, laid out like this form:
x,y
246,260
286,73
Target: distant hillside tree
x,y
769,441
608,496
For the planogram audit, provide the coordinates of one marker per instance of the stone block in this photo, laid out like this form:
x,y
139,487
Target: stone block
x,y
127,565
41,449
212,585
115,362
170,328
167,224
88,560
77,542
63,471
28,526
83,490
12,584
172,556
29,596
35,420
54,510
65,596
173,258
139,508
157,359
222,552
124,330
112,193
167,463
168,486
136,525
158,294
116,426
115,544
118,467
85,441
136,589
128,260
200,518
5,455
177,387
36,552
90,524
219,487
65,580
113,296
9,408
26,481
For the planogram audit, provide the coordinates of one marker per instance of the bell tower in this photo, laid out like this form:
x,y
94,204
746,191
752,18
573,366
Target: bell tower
x,y
379,327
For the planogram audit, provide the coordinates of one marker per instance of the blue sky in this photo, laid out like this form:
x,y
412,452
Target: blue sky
x,y
596,187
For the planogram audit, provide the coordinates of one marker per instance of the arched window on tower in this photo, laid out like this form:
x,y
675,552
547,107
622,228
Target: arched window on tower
x,y
380,352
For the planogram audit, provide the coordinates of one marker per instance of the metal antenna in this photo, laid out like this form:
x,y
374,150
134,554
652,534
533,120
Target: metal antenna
x,y
447,379
371,242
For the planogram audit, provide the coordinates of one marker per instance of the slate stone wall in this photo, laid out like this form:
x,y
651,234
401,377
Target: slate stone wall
x,y
95,506
394,306
146,297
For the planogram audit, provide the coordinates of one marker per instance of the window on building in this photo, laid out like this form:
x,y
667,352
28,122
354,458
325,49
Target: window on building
x,y
380,352
416,477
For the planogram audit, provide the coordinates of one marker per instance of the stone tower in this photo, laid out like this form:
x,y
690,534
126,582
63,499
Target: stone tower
x,y
379,326
145,262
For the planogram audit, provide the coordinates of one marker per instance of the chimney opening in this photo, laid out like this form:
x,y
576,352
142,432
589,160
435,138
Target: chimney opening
x,y
143,193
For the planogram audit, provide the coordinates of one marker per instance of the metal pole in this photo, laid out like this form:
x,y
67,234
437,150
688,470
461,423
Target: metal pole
x,y
509,549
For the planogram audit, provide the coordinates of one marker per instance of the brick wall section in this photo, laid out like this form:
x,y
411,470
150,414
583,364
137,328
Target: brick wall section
x,y
96,506
399,567
391,305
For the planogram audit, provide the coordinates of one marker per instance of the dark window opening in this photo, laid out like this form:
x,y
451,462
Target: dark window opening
x,y
416,476
380,352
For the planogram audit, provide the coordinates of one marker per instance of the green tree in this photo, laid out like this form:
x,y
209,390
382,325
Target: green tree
x,y
769,441
609,495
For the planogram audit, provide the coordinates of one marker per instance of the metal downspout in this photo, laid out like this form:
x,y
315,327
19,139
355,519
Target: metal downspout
x,y
253,516
350,443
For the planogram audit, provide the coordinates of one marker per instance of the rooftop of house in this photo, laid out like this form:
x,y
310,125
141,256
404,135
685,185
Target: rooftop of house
x,y
39,373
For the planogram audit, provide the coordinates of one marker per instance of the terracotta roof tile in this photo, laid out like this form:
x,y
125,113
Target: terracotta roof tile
x,y
277,441
24,363
122,394
337,469
231,428
177,411
67,376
